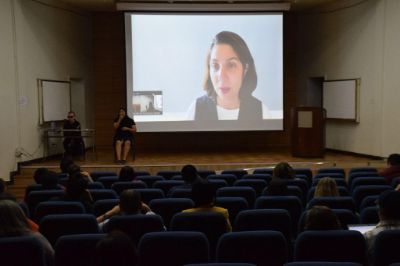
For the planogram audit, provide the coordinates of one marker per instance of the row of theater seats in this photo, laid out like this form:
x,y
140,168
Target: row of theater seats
x,y
178,248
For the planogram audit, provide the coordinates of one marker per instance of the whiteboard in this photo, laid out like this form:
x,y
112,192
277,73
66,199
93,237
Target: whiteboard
x,y
340,99
55,100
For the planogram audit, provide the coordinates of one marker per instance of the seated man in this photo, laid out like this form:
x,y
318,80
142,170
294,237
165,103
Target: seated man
x,y
73,142
389,217
393,167
203,195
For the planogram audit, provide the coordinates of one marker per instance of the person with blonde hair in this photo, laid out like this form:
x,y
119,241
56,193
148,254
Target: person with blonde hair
x,y
326,187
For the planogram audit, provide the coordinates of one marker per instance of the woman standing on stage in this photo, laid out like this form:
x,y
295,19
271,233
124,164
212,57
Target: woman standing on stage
x,y
123,138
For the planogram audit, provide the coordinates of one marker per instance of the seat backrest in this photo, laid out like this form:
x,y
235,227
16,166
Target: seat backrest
x,y
353,176
96,174
267,171
150,179
339,181
331,245
168,207
369,201
386,248
334,203
369,215
290,203
121,186
265,219
55,225
321,263
360,192
369,180
229,178
173,248
57,207
22,251
180,193
234,205
76,250
259,247
100,207
257,184
168,174
100,194
107,181
135,226
166,185
218,183
36,197
148,194
211,224
331,175
245,192
95,185
331,170
304,171
364,169
236,172
205,173
266,177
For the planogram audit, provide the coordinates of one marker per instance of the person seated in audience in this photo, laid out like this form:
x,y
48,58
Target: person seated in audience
x,y
76,190
277,186
393,168
116,249
203,195
126,174
49,180
129,203
3,191
321,218
65,163
13,223
74,168
39,174
326,187
389,217
189,176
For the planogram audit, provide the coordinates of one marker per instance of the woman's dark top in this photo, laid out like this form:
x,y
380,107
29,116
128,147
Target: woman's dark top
x,y
124,134
206,109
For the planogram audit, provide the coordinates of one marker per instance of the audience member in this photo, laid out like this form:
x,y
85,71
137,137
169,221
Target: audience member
x,y
39,174
277,186
13,223
127,173
326,187
3,192
321,218
116,249
189,176
389,217
74,169
129,203
49,180
203,195
76,190
65,163
393,167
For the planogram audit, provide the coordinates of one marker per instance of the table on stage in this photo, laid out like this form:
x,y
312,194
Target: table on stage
x,y
58,133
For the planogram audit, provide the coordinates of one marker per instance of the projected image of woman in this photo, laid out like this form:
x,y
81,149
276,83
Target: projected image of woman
x,y
229,80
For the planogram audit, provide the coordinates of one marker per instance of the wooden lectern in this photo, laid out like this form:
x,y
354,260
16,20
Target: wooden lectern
x,y
308,131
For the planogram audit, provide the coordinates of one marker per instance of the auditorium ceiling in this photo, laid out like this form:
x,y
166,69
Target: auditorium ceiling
x,y
296,5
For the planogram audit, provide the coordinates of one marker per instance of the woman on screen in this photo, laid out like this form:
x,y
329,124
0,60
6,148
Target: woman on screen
x,y
230,78
123,138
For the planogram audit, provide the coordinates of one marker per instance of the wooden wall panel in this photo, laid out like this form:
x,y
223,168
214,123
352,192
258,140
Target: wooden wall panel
x,y
110,90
